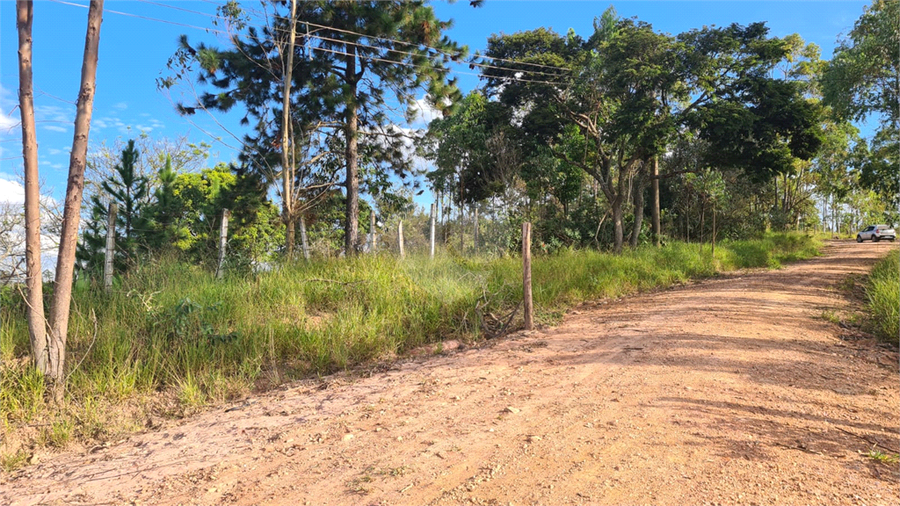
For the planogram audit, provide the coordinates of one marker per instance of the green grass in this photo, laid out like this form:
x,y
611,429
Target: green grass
x,y
172,338
883,298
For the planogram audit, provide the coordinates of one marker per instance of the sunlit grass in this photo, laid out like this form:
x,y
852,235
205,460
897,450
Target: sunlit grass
x,y
172,329
883,298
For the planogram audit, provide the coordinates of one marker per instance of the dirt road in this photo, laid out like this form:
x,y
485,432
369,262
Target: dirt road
x,y
733,391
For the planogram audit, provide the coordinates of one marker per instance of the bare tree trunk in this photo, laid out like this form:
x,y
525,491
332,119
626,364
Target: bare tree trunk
x,y
616,206
400,239
65,265
37,325
287,170
352,127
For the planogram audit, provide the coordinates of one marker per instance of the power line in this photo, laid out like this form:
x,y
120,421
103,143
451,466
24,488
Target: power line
x,y
504,78
482,76
145,17
410,44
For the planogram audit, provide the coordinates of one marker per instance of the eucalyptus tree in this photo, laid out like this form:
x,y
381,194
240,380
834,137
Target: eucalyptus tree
x,y
862,81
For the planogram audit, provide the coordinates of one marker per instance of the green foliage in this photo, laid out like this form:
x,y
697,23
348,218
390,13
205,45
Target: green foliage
x,y
130,191
187,214
883,296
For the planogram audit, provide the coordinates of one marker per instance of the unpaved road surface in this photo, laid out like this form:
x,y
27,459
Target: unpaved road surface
x,y
733,391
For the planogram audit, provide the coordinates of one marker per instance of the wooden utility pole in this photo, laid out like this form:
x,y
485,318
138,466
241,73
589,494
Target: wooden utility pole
x,y
400,239
68,237
37,325
526,277
432,229
109,260
223,240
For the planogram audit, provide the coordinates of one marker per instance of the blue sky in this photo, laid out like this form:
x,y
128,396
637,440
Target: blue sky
x,y
134,51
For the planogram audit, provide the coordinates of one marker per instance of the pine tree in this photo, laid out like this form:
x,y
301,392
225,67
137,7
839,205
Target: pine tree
x,y
362,55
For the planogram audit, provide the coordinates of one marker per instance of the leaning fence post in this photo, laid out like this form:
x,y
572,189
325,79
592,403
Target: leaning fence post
x,y
526,277
110,246
223,236
400,238
432,230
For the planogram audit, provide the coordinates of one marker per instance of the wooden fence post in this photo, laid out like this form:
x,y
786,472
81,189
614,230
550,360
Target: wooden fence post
x,y
108,264
304,243
475,233
223,236
526,277
432,229
372,245
400,239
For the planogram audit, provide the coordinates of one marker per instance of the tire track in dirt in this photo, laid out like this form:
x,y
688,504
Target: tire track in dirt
x,y
732,390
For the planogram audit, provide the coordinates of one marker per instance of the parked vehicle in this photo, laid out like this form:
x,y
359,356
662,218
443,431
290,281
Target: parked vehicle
x,y
877,233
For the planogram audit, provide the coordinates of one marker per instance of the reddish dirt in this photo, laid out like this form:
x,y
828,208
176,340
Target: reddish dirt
x,y
733,390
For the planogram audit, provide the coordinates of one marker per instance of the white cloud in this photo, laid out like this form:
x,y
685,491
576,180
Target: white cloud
x,y
54,128
121,106
424,112
54,151
7,123
11,191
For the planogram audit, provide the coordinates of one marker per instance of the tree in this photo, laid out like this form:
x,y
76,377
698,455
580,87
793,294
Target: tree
x,y
65,265
359,53
862,80
37,326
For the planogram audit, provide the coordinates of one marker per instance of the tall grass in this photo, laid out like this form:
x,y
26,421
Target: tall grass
x,y
883,298
171,330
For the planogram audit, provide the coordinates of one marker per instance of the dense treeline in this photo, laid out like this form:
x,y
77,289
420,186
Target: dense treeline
x,y
618,137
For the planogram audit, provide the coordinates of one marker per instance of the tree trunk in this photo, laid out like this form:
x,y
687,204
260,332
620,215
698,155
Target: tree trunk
x,y
287,171
654,207
638,198
351,130
616,206
37,325
65,265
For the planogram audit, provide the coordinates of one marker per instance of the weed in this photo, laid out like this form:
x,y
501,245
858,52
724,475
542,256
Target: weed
x,y
885,458
831,316
11,462
357,485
